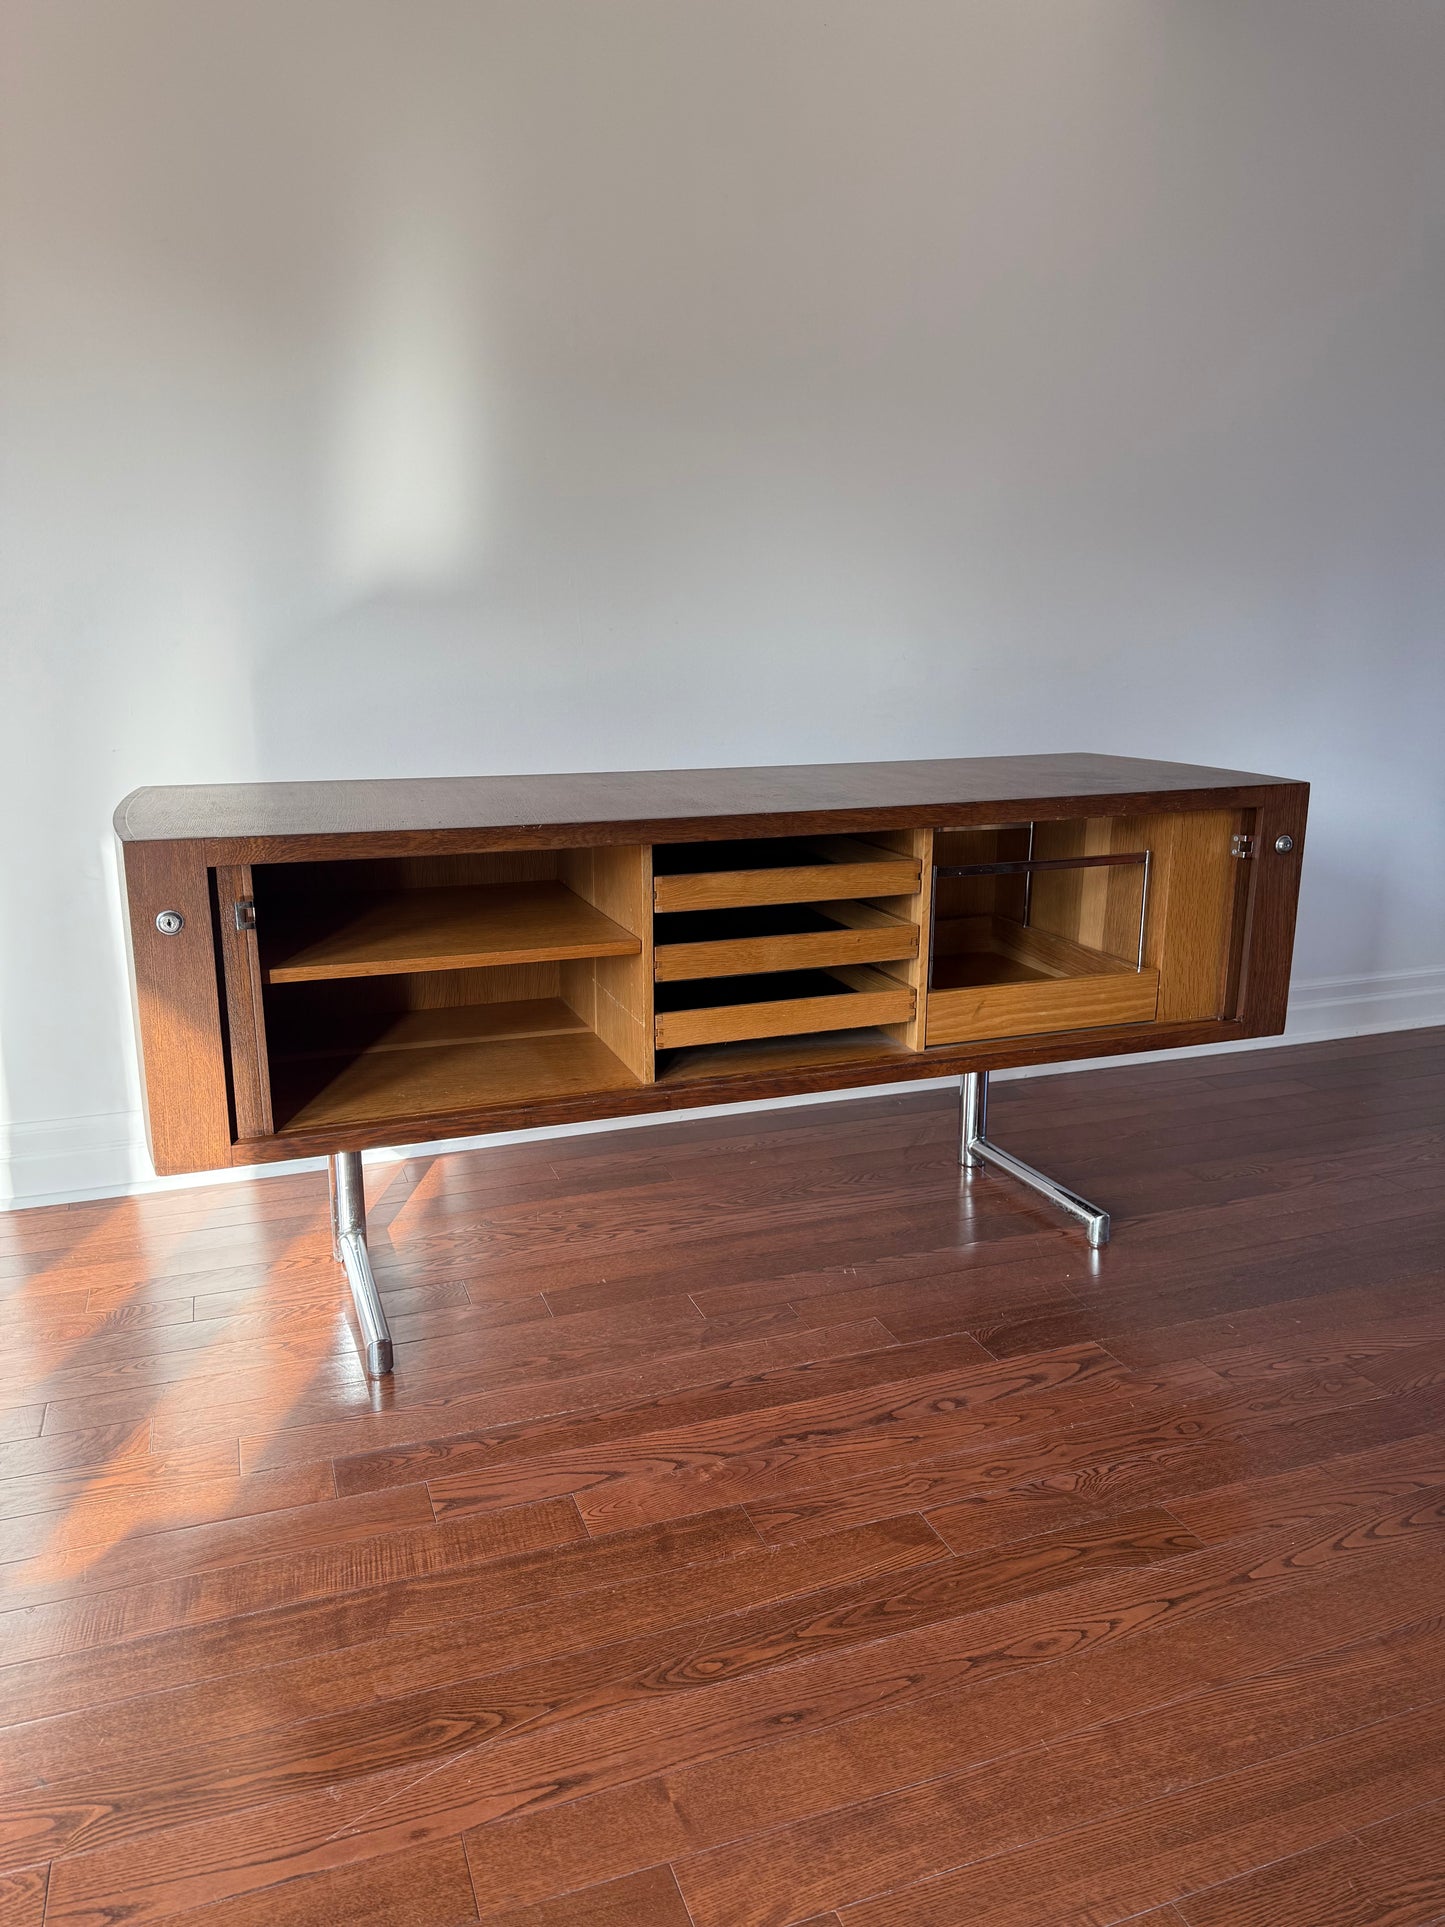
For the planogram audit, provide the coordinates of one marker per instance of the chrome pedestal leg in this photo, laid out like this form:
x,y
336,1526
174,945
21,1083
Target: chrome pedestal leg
x,y
348,1242
976,1150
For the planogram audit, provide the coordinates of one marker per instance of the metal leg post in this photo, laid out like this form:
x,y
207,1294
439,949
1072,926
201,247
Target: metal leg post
x,y
975,1149
975,1119
348,1243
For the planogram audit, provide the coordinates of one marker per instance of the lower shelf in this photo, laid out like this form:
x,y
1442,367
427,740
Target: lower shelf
x,y
728,1009
782,1056
427,1063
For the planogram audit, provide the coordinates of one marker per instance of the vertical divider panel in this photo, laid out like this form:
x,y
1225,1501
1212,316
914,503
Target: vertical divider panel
x,y
614,994
918,910
245,1012
1272,899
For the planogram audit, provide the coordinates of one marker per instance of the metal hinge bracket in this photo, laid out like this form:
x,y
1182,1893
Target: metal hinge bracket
x,y
1244,846
245,913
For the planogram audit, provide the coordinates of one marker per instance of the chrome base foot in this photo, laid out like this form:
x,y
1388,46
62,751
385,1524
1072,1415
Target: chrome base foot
x,y
976,1150
348,1242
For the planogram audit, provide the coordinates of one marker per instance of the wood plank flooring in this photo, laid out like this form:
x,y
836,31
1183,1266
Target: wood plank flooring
x,y
768,1525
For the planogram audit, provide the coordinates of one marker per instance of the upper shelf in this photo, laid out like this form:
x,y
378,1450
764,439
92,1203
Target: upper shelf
x,y
450,929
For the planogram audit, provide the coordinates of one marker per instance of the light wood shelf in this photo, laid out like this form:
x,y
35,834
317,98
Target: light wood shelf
x,y
779,937
734,1008
426,1029
781,1056
429,1063
808,870
459,928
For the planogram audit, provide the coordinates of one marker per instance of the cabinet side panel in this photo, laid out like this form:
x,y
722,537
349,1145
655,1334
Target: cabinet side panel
x,y
1274,899
177,1006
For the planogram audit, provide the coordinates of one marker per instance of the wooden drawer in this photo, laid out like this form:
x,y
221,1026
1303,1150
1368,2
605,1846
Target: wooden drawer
x,y
774,937
786,871
847,998
1021,1009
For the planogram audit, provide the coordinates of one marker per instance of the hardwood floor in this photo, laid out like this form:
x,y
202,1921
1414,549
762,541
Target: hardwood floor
x,y
767,1524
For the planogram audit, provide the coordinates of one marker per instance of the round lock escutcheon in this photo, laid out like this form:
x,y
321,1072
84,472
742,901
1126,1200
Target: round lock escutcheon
x,y
170,922
1284,844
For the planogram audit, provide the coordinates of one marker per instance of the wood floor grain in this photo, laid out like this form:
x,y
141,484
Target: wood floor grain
x,y
768,1525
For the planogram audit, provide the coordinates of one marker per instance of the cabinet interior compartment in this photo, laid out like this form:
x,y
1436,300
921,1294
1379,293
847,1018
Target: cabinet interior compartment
x,y
417,987
1039,927
319,924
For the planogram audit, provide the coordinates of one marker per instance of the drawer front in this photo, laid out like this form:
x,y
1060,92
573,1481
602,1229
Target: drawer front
x,y
805,950
871,999
1022,1010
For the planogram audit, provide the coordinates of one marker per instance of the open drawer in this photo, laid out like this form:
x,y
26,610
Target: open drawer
x,y
773,937
1013,981
1039,927
720,876
778,1005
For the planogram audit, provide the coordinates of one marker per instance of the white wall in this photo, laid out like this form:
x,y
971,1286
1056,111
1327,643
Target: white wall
x,y
400,386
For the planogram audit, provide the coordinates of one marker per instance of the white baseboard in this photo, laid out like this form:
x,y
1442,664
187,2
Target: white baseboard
x,y
64,1160
1355,1006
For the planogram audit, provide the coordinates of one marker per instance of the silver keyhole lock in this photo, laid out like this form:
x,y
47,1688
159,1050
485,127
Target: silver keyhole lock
x,y
169,922
1284,844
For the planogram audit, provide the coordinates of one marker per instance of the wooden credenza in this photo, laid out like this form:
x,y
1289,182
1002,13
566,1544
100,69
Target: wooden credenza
x,y
321,967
